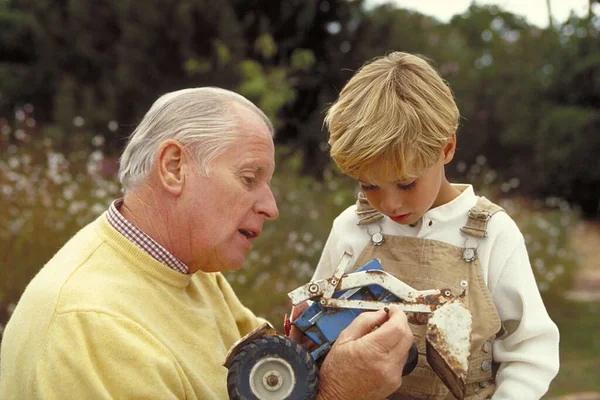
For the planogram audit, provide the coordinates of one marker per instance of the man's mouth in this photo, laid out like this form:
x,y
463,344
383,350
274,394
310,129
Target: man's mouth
x,y
248,233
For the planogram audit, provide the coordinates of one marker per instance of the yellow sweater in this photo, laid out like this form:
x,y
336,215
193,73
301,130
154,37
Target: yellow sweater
x,y
105,320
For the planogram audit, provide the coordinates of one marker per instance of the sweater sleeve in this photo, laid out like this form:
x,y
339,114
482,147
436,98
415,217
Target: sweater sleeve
x,y
528,351
94,355
245,319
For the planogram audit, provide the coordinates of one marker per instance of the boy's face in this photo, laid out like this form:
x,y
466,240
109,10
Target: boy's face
x,y
405,202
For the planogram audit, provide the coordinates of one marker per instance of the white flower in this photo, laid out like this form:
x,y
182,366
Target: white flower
x,y
78,121
98,209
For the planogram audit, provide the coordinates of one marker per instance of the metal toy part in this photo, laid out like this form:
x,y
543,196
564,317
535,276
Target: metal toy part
x,y
334,303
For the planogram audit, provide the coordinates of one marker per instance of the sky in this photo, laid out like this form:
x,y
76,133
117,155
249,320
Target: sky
x,y
535,11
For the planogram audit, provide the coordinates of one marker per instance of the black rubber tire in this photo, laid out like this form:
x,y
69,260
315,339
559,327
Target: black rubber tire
x,y
411,361
300,360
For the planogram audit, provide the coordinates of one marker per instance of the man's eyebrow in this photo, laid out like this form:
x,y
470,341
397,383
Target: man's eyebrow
x,y
253,164
256,167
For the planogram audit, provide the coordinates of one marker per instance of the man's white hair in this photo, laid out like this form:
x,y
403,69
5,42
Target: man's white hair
x,y
201,119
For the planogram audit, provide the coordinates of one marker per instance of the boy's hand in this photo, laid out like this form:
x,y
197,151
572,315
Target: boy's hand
x,y
295,333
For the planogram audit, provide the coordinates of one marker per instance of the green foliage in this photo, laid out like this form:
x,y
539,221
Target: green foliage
x,y
197,66
270,89
302,59
523,91
48,190
579,348
547,228
265,46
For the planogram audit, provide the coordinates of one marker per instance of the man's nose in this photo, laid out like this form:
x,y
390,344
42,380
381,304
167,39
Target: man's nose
x,y
267,206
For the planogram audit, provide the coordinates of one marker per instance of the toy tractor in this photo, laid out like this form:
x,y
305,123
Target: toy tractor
x,y
267,365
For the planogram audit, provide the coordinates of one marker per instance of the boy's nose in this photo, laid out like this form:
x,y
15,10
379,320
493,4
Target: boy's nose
x,y
391,204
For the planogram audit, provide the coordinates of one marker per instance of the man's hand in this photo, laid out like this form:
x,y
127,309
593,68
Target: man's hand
x,y
367,359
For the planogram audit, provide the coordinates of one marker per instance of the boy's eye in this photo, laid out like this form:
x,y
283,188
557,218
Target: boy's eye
x,y
365,187
406,186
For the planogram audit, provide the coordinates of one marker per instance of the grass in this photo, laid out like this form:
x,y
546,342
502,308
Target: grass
x,y
579,324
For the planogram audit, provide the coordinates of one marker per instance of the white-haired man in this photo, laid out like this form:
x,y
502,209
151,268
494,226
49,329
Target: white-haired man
x,y
134,305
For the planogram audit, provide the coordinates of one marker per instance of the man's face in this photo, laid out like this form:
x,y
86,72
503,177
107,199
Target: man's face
x,y
227,209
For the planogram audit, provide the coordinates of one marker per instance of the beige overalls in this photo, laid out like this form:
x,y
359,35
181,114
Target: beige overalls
x,y
431,264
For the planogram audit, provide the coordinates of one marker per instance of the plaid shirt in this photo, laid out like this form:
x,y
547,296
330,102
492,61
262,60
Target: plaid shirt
x,y
140,239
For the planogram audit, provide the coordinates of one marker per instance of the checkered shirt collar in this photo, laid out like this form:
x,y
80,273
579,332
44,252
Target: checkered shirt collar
x,y
140,239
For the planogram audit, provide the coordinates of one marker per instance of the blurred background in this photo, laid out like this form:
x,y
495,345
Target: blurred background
x,y
76,77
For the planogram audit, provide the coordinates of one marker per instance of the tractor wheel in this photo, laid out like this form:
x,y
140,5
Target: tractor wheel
x,y
272,368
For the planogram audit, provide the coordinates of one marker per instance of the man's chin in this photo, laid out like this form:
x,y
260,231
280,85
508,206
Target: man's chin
x,y
219,267
232,265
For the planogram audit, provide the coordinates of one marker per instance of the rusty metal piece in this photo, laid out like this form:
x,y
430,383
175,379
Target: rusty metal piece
x,y
374,305
448,345
449,324
417,318
332,282
265,329
404,292
323,287
287,325
434,300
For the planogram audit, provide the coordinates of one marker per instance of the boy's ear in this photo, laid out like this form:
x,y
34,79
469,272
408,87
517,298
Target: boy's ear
x,y
450,149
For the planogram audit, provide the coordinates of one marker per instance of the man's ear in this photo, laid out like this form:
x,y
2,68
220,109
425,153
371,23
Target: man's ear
x,y
171,166
450,149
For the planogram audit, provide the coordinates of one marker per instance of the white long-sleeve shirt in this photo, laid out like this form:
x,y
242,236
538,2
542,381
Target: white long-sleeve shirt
x,y
528,353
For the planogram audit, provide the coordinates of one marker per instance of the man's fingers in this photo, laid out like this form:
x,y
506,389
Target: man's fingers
x,y
362,325
395,331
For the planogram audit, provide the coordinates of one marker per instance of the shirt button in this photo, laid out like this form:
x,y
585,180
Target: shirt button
x,y
430,223
487,347
486,365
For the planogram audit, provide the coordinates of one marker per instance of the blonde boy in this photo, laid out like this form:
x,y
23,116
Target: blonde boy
x,y
393,129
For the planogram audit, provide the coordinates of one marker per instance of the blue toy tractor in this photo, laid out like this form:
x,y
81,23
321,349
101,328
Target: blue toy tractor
x,y
267,365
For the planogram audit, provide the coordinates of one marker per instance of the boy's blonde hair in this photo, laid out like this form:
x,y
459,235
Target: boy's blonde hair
x,y
392,119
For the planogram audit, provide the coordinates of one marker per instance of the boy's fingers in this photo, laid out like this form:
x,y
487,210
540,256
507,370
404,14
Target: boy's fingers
x,y
298,309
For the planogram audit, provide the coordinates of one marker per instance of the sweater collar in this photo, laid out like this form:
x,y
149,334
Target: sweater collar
x,y
138,258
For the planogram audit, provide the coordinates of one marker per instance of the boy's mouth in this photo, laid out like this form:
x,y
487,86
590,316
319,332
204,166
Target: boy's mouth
x,y
399,218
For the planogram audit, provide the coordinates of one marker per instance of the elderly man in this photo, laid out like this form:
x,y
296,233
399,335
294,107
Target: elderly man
x,y
134,306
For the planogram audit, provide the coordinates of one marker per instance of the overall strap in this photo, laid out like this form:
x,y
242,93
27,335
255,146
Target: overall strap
x,y
367,214
479,216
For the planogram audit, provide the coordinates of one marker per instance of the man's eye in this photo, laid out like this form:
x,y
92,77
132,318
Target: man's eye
x,y
248,180
368,188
